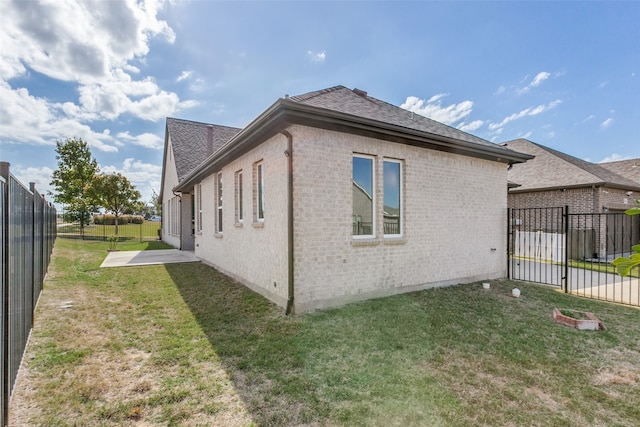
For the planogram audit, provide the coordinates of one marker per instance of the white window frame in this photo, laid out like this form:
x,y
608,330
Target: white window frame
x,y
219,203
238,197
400,195
373,197
259,194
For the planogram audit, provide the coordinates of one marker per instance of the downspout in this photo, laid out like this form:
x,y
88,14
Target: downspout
x,y
289,154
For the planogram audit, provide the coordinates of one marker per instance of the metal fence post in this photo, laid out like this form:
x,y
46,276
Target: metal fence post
x,y
4,356
565,216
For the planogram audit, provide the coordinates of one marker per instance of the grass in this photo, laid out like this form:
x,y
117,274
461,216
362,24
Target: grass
x,y
146,230
181,344
601,267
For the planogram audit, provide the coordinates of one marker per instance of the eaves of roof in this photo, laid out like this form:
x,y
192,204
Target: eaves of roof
x,y
286,112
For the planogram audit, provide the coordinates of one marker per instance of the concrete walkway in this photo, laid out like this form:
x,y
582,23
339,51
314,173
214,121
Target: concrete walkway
x,y
132,258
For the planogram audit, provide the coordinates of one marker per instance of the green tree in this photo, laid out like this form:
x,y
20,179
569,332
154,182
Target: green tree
x,y
156,201
116,194
73,179
624,265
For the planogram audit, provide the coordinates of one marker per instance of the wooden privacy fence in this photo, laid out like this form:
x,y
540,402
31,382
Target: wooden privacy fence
x,y
27,231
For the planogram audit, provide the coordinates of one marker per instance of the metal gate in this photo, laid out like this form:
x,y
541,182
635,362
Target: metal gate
x,y
574,251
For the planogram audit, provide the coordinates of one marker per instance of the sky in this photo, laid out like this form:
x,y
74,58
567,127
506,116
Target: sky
x,y
562,74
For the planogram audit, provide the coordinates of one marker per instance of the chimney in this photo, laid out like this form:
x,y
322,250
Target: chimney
x,y
360,92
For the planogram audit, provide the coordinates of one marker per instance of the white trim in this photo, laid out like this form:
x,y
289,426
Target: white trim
x,y
373,196
400,195
219,204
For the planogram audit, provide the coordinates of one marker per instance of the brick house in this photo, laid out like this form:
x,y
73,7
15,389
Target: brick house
x,y
556,179
335,196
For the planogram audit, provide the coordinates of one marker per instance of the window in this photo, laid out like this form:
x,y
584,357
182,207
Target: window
x,y
259,191
392,191
363,196
219,203
238,197
198,191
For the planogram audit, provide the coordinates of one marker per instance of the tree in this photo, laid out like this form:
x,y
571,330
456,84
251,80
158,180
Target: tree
x,y
73,179
116,194
624,265
156,201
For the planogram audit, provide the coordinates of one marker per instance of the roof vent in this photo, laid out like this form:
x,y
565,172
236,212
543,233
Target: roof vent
x,y
360,92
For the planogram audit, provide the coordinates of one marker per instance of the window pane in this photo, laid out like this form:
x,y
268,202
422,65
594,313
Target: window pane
x,y
260,192
392,210
363,218
240,196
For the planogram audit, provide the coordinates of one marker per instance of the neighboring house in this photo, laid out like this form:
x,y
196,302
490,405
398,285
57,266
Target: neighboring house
x,y
335,196
556,179
629,169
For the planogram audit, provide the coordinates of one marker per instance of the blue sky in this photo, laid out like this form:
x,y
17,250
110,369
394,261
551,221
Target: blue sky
x,y
562,74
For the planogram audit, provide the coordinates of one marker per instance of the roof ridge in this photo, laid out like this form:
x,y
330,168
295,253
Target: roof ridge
x,y
600,172
309,95
201,123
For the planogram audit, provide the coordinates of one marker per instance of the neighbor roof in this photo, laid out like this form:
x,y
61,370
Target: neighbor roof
x,y
553,169
629,169
350,111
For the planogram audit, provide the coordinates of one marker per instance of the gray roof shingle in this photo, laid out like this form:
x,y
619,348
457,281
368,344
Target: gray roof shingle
x,y
629,169
350,110
193,142
358,103
553,169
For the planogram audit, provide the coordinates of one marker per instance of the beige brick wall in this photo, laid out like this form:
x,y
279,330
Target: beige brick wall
x,y
445,241
579,200
254,253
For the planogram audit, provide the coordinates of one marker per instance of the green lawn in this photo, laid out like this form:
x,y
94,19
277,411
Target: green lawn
x,y
145,231
182,344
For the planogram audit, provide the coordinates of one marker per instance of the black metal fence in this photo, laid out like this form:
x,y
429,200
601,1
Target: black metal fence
x,y
28,231
574,251
134,228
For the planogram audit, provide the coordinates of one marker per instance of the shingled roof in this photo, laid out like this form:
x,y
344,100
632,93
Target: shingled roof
x,y
193,142
551,169
359,103
344,110
629,169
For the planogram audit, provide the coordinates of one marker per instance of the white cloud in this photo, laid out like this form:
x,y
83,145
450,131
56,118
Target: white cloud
x,y
470,127
144,176
433,109
89,44
76,41
535,82
525,135
27,119
184,75
531,111
317,56
148,140
539,78
615,157
603,84
40,176
606,123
